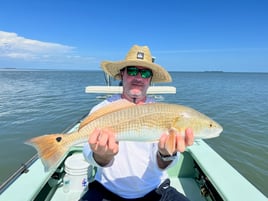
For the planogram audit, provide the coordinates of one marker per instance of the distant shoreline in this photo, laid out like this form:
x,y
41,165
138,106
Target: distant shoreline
x,y
97,70
213,71
8,68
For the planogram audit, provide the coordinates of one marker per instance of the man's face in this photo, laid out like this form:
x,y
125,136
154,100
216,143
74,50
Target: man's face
x,y
136,80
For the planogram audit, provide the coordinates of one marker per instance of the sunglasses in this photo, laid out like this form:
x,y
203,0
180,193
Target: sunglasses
x,y
133,71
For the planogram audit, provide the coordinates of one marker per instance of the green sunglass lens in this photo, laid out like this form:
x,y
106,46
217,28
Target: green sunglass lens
x,y
133,71
146,73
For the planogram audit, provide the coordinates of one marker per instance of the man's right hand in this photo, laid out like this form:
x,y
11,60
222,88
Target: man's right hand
x,y
102,143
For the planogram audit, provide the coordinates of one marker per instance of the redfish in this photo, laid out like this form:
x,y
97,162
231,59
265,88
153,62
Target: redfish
x,y
129,122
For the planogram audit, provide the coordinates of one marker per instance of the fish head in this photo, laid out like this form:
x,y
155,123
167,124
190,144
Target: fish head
x,y
202,126
209,129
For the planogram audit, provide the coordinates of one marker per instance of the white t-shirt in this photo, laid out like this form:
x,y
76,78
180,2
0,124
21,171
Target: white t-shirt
x,y
134,171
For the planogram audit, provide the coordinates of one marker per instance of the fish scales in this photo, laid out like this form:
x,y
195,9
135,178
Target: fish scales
x,y
157,117
129,122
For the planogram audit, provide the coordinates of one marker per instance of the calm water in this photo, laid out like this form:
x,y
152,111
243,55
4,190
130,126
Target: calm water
x,y
40,102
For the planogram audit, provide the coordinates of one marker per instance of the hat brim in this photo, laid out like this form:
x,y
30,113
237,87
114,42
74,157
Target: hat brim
x,y
113,69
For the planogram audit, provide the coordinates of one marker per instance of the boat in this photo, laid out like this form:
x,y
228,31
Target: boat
x,y
111,87
201,174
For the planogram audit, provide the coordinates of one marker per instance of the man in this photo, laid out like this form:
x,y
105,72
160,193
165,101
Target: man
x,y
133,170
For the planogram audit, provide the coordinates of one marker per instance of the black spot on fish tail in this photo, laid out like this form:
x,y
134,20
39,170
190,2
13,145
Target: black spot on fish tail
x,y
58,139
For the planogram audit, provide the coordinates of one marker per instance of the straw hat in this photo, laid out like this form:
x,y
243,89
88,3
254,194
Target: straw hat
x,y
137,56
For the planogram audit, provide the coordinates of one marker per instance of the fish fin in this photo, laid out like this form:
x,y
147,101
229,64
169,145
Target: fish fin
x,y
51,149
112,107
171,141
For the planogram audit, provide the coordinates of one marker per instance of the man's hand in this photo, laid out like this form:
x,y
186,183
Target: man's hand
x,y
102,143
179,145
181,142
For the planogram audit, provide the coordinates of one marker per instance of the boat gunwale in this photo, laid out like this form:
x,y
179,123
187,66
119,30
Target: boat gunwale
x,y
24,168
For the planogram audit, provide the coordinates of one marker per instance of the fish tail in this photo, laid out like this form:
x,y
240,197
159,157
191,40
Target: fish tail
x,y
171,141
50,148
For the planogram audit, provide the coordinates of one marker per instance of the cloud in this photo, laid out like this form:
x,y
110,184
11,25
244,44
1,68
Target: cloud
x,y
20,51
17,47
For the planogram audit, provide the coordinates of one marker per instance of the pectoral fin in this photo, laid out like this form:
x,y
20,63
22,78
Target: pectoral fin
x,y
171,141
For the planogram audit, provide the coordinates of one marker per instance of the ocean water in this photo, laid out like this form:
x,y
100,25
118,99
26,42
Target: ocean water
x,y
34,103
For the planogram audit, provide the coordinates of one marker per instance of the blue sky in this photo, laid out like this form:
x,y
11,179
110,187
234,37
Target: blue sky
x,y
183,35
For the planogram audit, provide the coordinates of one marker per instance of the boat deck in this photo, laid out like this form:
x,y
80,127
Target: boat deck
x,y
186,183
186,186
200,171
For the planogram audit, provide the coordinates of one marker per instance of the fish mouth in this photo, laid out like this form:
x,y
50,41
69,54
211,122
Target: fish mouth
x,y
210,132
218,131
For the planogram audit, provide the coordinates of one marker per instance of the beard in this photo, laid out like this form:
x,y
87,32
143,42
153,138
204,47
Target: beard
x,y
135,93
135,90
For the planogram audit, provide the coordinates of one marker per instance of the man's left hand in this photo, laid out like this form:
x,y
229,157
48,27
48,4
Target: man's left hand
x,y
181,142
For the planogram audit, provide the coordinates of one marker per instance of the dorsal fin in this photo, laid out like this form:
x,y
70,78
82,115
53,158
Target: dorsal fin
x,y
112,107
